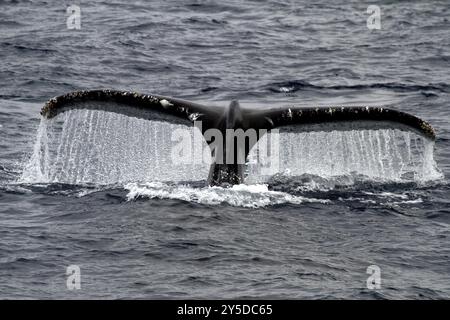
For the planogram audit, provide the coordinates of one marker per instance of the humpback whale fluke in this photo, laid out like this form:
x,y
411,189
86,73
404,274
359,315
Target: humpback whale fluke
x,y
162,108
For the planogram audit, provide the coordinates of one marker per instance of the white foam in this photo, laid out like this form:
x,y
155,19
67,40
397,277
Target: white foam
x,y
248,196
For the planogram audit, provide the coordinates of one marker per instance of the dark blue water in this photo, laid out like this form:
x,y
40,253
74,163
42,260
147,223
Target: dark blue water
x,y
162,241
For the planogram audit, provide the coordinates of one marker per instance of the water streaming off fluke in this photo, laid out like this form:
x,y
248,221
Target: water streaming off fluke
x,y
98,147
382,155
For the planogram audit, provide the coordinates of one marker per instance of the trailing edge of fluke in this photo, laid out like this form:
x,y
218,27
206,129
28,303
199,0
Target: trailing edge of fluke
x,y
234,117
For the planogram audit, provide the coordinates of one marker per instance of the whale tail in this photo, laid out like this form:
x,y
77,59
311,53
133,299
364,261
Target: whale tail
x,y
229,157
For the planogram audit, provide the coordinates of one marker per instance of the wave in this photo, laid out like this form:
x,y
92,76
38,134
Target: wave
x,y
24,47
299,85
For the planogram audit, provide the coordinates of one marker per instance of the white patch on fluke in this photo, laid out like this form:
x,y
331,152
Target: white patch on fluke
x,y
194,116
165,103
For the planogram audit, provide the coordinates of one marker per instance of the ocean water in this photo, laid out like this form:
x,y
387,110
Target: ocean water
x,y
139,228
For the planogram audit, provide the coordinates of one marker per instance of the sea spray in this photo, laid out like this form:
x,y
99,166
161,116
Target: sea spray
x,y
35,168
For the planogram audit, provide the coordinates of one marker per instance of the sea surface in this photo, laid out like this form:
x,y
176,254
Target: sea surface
x,y
313,238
